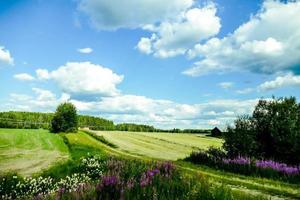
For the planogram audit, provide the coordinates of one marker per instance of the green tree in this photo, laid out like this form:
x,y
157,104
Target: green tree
x,y
240,140
277,124
273,132
65,119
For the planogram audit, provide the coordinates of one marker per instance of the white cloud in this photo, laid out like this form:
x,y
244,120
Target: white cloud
x,y
281,81
245,91
145,45
214,122
84,79
42,101
5,57
141,109
114,14
24,77
85,50
267,43
42,74
171,38
19,97
167,114
226,85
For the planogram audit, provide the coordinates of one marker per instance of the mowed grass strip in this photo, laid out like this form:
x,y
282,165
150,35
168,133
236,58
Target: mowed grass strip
x,y
82,139
28,151
166,146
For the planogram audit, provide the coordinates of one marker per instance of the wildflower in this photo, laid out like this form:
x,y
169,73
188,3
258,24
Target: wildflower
x,y
281,167
239,160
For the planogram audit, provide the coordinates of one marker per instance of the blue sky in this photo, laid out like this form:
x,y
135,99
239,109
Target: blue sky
x,y
181,63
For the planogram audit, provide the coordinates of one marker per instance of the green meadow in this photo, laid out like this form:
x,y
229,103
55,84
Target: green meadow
x,y
27,151
168,146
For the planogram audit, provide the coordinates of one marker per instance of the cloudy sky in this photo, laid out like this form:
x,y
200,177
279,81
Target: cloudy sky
x,y
179,63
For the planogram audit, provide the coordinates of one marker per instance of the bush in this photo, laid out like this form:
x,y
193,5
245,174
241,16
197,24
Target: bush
x,y
65,119
246,166
273,132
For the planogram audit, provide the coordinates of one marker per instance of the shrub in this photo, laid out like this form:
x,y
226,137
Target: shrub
x,y
247,166
272,132
65,119
240,140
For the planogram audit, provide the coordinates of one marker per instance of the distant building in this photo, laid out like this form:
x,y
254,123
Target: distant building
x,y
216,132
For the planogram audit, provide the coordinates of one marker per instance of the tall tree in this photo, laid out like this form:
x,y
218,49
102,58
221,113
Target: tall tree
x,y
65,119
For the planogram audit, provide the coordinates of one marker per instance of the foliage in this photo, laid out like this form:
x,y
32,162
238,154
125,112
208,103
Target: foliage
x,y
146,128
216,158
273,132
28,120
240,140
35,120
65,119
95,123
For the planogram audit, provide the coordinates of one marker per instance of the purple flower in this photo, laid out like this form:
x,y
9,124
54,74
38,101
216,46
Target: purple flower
x,y
166,168
130,183
239,160
109,180
281,167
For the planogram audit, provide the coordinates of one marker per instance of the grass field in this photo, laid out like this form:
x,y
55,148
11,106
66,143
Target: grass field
x,y
28,151
167,146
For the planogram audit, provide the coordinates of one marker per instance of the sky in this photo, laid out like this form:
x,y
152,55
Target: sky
x,y
179,63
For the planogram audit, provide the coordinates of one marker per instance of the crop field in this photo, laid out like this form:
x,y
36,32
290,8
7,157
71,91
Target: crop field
x,y
28,151
167,146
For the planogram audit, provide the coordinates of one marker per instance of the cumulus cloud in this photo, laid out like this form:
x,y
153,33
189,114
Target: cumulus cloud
x,y
171,38
24,77
42,100
5,57
267,43
85,50
140,109
114,14
226,85
165,113
145,45
84,79
281,81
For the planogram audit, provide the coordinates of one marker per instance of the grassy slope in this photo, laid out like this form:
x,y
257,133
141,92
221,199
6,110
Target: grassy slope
x,y
159,145
250,185
28,151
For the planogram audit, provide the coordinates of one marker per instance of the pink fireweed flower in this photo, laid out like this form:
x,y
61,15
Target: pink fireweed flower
x,y
281,167
239,160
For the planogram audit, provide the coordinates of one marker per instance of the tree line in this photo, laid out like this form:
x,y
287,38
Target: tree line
x,y
147,128
36,120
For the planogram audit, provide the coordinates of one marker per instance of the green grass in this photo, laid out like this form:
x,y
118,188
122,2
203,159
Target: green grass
x,y
133,144
28,151
167,146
